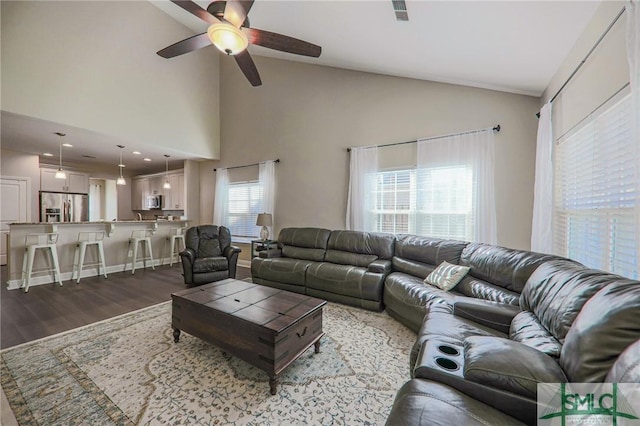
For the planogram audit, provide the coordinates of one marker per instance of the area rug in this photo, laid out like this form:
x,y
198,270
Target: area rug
x,y
128,370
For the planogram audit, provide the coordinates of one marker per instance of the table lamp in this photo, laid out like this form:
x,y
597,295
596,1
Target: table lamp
x,y
264,220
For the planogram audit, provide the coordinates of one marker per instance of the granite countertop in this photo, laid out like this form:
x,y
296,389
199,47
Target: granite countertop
x,y
101,222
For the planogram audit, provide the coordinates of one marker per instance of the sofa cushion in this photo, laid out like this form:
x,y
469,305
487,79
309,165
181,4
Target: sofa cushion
x,y
557,291
626,369
525,328
423,402
504,267
209,264
507,365
607,324
409,297
304,243
345,280
280,269
418,256
446,276
209,247
480,289
358,248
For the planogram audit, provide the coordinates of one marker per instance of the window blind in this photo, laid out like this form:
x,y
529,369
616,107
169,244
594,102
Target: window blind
x,y
597,191
435,202
245,200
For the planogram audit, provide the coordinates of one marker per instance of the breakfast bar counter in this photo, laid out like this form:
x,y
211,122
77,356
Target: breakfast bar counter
x,y
116,247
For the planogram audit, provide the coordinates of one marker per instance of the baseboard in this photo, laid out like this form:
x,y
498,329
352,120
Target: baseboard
x,y
87,272
244,263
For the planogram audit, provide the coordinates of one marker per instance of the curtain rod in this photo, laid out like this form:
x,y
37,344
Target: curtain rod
x,y
575,71
277,160
495,129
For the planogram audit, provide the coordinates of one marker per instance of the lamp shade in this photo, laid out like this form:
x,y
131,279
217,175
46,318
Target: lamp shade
x,y
227,38
264,219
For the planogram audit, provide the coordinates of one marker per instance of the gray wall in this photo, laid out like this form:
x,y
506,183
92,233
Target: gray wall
x,y
93,65
605,71
18,164
308,115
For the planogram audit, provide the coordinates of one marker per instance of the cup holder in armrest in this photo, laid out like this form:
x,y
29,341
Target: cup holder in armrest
x,y
448,350
447,364
439,357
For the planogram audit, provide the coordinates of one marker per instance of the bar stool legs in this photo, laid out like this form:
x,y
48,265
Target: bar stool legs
x,y
175,235
33,242
140,237
86,239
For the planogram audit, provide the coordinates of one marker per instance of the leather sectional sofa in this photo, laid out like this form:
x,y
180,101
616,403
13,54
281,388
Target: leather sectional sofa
x,y
342,266
515,320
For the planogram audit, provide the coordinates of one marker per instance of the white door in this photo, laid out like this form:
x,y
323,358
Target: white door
x,y
14,207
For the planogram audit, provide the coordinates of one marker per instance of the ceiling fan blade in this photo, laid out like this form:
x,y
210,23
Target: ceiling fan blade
x,y
248,67
196,10
185,46
236,11
282,42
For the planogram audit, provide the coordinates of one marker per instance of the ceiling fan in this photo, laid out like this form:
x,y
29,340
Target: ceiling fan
x,y
230,32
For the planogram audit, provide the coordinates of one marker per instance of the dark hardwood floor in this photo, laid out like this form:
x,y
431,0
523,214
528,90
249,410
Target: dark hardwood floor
x,y
49,309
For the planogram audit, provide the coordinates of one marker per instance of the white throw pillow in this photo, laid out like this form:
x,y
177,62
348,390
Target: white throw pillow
x,y
446,275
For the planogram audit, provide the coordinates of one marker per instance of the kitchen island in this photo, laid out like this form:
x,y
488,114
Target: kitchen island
x,y
116,247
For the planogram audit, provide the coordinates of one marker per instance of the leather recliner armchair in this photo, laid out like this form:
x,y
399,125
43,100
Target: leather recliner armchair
x,y
209,255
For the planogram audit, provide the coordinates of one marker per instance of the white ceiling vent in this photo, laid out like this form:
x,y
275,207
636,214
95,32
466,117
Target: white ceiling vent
x,y
400,7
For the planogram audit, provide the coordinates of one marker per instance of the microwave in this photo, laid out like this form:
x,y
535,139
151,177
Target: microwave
x,y
154,202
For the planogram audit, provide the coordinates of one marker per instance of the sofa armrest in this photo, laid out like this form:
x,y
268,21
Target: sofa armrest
x,y
511,366
188,255
268,254
229,251
443,361
491,314
380,266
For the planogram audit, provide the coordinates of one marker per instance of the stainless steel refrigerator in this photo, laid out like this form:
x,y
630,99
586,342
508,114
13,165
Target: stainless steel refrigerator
x,y
63,207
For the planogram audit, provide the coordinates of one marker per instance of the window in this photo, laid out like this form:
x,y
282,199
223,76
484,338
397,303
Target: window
x,y
435,202
445,210
245,201
596,192
394,203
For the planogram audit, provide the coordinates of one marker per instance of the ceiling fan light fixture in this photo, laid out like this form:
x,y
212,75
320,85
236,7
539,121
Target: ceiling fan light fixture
x,y
227,38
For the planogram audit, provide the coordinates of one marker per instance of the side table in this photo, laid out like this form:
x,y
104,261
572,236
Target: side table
x,y
262,245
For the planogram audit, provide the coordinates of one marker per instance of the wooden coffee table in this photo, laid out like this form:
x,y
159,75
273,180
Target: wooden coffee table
x,y
266,327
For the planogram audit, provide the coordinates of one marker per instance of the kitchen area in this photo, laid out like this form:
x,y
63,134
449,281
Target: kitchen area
x,y
84,204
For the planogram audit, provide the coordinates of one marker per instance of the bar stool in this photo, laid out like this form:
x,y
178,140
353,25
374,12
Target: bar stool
x,y
32,243
140,236
88,239
175,234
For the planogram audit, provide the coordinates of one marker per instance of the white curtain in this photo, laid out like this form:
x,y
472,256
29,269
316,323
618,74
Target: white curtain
x,y
455,196
363,167
267,178
541,227
633,57
221,205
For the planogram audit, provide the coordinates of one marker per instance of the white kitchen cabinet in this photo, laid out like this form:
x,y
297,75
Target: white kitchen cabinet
x,y
145,185
139,192
155,185
174,197
75,182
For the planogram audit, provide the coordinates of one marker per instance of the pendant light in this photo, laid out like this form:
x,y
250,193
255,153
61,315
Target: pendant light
x,y
121,180
60,174
166,185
